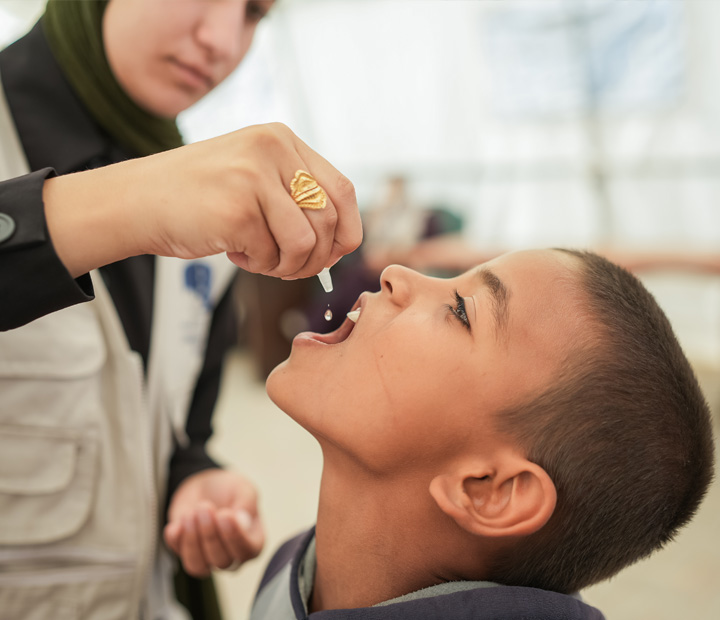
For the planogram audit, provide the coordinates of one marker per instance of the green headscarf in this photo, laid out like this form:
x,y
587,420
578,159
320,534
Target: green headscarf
x,y
74,32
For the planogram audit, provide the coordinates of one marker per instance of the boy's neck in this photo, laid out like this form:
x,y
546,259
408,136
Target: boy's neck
x,y
378,539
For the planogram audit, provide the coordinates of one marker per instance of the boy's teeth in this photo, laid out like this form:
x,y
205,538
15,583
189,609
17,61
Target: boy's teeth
x,y
353,316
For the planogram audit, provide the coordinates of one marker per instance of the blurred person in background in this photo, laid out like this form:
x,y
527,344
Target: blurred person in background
x,y
106,406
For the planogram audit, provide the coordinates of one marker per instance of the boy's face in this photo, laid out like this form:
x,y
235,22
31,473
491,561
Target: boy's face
x,y
420,375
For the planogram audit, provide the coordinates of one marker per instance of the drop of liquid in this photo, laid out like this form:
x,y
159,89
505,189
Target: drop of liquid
x,y
328,314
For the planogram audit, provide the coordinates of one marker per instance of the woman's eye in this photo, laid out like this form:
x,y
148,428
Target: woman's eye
x,y
458,310
255,11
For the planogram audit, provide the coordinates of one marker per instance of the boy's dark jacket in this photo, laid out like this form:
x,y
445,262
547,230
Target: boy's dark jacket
x,y
490,603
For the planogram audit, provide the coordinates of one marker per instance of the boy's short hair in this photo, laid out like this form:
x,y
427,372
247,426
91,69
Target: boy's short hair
x,y
625,435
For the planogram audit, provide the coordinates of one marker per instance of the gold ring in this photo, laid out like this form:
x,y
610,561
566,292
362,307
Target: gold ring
x,y
305,190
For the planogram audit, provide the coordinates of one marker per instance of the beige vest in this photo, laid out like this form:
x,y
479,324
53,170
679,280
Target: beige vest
x,y
85,442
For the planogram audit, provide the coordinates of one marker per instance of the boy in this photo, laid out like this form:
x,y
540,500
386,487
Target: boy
x,y
492,443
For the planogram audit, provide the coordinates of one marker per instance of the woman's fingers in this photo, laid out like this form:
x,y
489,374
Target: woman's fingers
x,y
347,229
172,534
303,239
304,236
213,547
242,533
191,552
293,232
210,539
308,240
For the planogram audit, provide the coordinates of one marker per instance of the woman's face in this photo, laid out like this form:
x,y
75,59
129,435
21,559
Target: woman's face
x,y
422,372
168,54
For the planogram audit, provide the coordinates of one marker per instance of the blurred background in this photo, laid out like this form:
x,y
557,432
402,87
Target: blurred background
x,y
469,128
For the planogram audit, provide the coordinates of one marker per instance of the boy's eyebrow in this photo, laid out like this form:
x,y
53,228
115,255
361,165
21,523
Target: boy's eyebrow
x,y
500,295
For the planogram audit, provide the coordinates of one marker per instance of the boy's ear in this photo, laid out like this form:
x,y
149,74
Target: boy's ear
x,y
513,497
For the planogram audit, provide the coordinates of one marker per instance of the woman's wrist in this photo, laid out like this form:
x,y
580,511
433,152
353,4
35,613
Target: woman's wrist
x,y
90,218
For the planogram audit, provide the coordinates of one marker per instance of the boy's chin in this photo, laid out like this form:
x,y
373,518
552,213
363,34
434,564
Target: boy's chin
x,y
283,389
273,382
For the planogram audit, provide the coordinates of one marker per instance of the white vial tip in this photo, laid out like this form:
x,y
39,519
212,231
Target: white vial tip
x,y
354,315
326,280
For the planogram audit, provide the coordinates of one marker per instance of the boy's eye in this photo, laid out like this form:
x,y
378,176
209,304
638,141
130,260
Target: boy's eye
x,y
458,311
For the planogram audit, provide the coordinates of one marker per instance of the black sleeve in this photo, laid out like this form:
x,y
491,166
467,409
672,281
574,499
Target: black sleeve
x,y
33,280
193,458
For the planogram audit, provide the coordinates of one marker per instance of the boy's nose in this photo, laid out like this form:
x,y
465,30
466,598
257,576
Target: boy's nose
x,y
400,282
222,31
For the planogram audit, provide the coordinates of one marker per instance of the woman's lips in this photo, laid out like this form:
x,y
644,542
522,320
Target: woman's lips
x,y
192,75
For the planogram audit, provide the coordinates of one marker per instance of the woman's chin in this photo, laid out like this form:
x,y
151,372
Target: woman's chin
x,y
168,103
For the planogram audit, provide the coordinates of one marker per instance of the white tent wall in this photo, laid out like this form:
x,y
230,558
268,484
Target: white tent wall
x,y
421,88
16,16
403,86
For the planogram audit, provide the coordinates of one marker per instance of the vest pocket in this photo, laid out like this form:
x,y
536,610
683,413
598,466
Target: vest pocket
x,y
47,477
50,399
36,604
68,593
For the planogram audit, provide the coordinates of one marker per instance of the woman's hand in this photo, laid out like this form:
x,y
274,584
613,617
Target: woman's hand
x,y
213,522
228,194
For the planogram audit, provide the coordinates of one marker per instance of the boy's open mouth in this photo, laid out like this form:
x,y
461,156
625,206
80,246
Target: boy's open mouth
x,y
341,333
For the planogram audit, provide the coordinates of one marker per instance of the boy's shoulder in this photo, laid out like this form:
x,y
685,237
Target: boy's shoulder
x,y
284,556
280,598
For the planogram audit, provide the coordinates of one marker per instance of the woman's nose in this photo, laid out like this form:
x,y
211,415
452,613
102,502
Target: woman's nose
x,y
400,283
222,30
